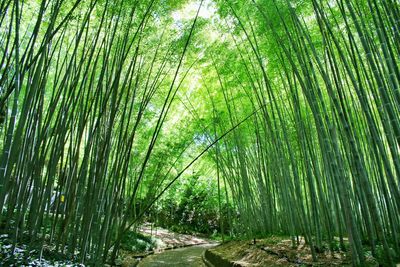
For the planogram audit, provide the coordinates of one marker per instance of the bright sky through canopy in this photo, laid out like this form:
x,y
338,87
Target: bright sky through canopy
x,y
189,11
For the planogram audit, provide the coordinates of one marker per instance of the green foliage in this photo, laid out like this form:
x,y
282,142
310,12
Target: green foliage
x,y
137,242
111,102
191,206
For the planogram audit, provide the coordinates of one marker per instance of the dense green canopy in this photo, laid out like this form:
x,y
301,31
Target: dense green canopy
x,y
260,117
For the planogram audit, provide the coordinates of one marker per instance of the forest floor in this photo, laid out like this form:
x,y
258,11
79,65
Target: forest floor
x,y
168,240
278,251
22,255
181,257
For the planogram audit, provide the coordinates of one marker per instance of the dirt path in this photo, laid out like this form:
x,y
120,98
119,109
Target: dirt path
x,y
182,257
175,249
170,239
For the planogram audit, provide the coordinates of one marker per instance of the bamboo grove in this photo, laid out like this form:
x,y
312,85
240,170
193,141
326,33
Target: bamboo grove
x,y
323,158
297,104
79,80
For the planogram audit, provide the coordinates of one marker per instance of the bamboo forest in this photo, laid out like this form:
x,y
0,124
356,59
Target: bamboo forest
x,y
200,133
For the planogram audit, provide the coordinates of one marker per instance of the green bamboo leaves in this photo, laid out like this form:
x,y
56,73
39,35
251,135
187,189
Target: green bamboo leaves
x,y
309,93
81,80
323,162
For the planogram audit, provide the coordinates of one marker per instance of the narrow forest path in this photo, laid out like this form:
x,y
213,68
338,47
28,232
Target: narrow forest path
x,y
182,257
174,249
169,239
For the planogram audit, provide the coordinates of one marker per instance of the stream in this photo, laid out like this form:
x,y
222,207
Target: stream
x,y
181,257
